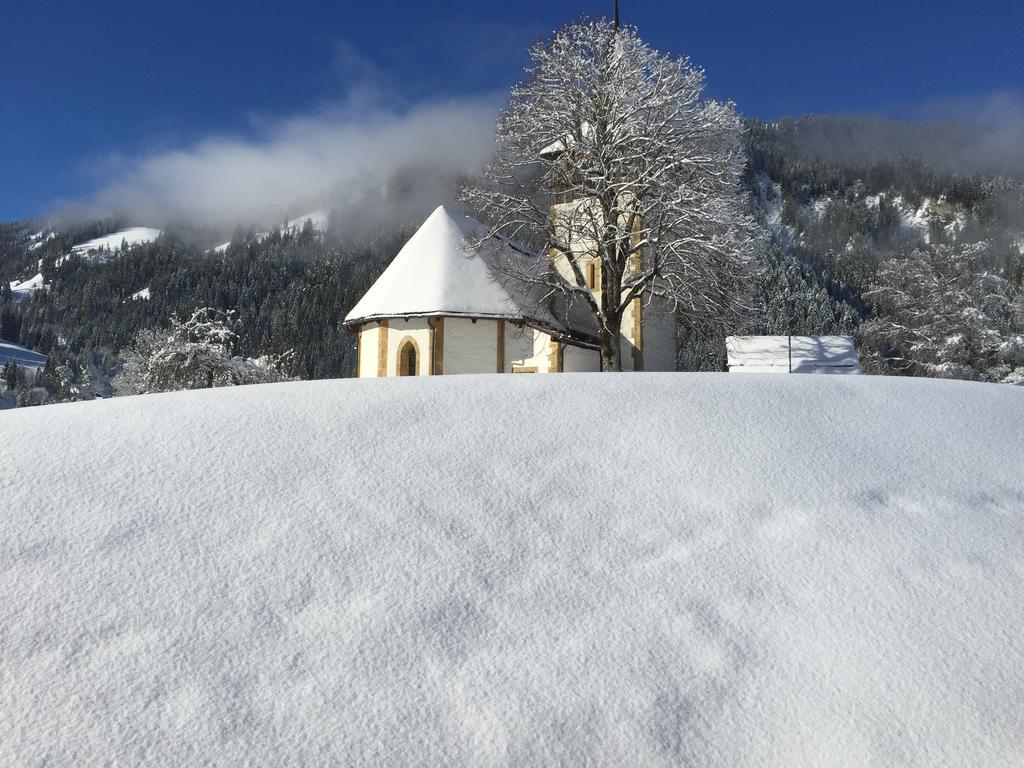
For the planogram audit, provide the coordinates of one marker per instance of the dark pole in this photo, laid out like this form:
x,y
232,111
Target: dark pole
x,y
616,14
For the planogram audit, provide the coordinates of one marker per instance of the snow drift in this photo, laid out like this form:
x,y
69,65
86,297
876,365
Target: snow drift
x,y
733,571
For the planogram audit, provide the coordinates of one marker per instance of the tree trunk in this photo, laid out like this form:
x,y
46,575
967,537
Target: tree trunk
x,y
611,349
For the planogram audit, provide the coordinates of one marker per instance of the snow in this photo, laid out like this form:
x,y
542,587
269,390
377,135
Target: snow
x,y
440,272
28,285
131,236
22,289
957,225
792,354
769,203
39,240
142,295
719,571
558,146
319,219
915,223
820,207
20,355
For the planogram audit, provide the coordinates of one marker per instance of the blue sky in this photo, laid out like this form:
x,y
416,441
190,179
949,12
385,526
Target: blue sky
x,y
86,88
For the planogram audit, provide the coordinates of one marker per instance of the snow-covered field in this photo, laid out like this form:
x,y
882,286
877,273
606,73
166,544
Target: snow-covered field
x,y
22,288
20,355
731,571
113,242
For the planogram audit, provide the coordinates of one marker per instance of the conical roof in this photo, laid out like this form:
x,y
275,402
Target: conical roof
x,y
441,271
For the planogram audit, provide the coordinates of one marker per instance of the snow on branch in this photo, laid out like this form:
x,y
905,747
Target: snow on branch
x,y
609,153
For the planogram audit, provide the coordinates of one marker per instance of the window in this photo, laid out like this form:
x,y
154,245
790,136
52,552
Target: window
x,y
592,275
407,358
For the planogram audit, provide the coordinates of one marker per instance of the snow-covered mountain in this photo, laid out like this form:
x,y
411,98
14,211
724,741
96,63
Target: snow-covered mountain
x,y
742,571
112,243
318,219
917,224
97,248
22,288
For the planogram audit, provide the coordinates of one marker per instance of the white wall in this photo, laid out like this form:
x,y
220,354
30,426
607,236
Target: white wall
x,y
398,330
415,328
470,347
368,339
579,360
527,347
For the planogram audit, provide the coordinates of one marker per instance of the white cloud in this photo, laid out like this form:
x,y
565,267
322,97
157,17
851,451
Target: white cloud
x,y
364,159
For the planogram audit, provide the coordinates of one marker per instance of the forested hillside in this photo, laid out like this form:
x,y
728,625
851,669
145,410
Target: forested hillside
x,y
289,292
883,231
875,229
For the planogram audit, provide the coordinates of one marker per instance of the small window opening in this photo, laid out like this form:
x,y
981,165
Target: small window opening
x,y
407,360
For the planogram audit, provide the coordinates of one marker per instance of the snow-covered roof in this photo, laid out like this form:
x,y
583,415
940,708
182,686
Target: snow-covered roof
x,y
441,271
797,353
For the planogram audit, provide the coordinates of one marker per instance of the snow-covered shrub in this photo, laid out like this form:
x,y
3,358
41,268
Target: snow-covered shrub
x,y
939,314
195,353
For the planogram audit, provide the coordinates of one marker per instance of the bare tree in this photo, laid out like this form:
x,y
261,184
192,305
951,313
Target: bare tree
x,y
610,161
195,353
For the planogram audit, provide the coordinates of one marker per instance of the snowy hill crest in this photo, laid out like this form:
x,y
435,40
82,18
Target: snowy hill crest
x,y
767,571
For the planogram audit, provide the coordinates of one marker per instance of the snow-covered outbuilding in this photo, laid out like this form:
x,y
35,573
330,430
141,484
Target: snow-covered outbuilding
x,y
442,307
792,354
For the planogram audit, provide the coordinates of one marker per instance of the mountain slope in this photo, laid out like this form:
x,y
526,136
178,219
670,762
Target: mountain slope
x,y
725,571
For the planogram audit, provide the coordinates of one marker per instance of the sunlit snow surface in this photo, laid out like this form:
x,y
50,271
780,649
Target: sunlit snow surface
x,y
484,571
113,242
20,289
20,355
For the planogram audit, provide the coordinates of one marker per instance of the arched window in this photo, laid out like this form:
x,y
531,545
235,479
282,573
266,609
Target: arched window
x,y
408,358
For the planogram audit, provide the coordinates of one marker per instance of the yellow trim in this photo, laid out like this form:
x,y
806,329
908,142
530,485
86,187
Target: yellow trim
x,y
382,348
638,335
501,346
359,349
524,369
437,346
555,357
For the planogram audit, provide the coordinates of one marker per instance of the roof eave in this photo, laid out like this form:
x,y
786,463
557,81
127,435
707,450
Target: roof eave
x,y
574,338
350,322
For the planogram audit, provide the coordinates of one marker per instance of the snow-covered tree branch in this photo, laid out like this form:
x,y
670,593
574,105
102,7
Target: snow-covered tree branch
x,y
195,353
610,161
940,314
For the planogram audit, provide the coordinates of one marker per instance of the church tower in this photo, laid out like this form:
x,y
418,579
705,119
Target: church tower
x,y
648,332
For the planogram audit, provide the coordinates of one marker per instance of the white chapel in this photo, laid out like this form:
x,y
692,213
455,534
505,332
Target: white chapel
x,y
441,307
